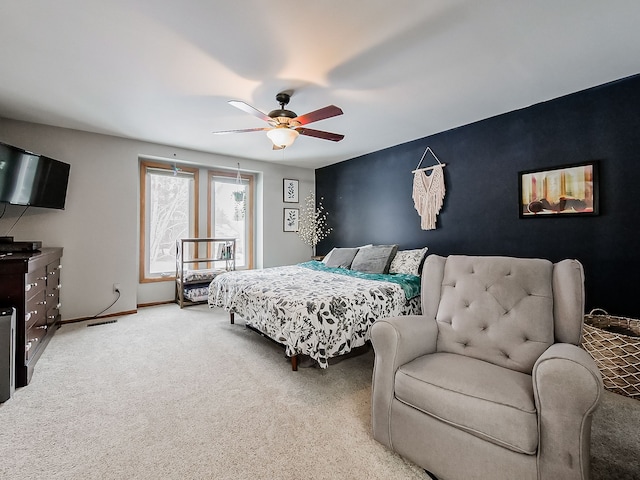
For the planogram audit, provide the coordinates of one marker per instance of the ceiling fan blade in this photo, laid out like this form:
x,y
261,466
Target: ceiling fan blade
x,y
224,132
326,112
334,137
245,107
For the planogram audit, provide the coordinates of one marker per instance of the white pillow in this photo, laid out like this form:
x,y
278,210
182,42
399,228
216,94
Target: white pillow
x,y
408,261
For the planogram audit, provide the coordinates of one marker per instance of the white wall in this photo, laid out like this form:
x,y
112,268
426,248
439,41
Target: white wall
x,y
99,228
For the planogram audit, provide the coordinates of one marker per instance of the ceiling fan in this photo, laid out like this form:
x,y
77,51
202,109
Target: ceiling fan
x,y
285,125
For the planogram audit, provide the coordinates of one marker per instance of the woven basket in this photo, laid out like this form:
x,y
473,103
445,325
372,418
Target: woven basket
x,y
614,344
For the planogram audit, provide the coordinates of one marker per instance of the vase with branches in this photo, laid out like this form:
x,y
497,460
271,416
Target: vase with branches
x,y
312,224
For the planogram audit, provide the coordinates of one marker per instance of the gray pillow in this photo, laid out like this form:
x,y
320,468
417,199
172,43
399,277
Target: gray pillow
x,y
375,259
340,257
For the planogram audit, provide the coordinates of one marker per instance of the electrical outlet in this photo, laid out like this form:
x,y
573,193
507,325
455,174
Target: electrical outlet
x,y
116,288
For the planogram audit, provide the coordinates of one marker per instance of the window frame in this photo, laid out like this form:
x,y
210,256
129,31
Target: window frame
x,y
250,178
144,165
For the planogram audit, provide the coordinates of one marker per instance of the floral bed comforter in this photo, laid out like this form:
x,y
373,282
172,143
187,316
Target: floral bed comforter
x,y
312,309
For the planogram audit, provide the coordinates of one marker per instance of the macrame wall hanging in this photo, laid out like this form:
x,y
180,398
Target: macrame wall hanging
x,y
428,191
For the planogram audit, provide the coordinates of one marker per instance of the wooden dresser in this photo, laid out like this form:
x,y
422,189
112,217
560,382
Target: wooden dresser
x,y
30,282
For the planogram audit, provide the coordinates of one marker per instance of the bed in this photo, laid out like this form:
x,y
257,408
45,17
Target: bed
x,y
313,308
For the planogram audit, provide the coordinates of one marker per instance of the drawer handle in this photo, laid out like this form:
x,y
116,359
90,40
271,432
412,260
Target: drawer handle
x,y
59,286
51,294
42,303
51,317
42,327
27,347
44,279
28,316
29,286
59,305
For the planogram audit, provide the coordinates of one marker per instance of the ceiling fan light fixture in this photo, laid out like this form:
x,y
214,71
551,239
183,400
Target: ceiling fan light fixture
x,y
282,136
285,125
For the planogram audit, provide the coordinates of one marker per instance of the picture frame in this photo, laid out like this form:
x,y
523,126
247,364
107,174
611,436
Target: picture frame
x,y
290,190
566,190
290,219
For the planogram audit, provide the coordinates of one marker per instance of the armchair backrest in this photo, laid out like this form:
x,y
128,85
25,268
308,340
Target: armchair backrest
x,y
501,309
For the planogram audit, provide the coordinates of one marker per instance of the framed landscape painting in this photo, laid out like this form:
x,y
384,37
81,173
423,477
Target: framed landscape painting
x,y
569,190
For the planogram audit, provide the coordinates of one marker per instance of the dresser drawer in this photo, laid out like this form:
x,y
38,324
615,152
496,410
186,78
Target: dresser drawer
x,y
53,276
33,339
36,283
52,315
52,295
36,308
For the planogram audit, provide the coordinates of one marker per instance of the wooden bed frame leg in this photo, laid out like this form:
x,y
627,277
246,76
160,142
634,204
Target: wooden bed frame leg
x,y
294,363
231,317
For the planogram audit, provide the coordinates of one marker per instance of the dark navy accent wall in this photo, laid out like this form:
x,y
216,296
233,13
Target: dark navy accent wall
x,y
368,198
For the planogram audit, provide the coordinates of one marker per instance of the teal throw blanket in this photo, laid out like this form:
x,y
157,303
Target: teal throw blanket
x,y
409,283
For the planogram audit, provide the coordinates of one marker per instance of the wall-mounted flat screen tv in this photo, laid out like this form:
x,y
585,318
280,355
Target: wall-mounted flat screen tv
x,y
30,179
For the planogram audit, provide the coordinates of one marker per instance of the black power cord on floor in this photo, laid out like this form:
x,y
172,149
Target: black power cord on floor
x,y
112,304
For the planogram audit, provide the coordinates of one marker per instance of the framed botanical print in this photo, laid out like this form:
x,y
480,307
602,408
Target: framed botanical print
x,y
290,191
290,219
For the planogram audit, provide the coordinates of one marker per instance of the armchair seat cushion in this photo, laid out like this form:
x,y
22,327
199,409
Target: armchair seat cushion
x,y
486,400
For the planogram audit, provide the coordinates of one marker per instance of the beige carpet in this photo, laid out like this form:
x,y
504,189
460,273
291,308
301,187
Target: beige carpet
x,y
182,394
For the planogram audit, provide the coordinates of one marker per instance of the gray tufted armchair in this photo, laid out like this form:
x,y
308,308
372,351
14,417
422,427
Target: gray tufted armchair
x,y
489,382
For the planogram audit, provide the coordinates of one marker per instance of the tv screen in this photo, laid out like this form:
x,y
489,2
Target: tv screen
x,y
30,179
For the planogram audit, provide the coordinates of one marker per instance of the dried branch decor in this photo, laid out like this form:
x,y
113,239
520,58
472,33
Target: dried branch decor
x,y
312,226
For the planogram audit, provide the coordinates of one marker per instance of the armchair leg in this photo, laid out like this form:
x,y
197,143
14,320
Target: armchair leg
x,y
433,477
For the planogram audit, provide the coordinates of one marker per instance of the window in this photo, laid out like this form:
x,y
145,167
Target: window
x,y
168,211
231,212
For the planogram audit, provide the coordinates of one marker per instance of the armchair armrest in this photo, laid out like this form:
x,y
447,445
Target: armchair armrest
x,y
396,341
567,387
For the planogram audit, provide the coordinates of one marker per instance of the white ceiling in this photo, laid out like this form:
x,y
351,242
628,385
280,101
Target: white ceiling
x,y
163,70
